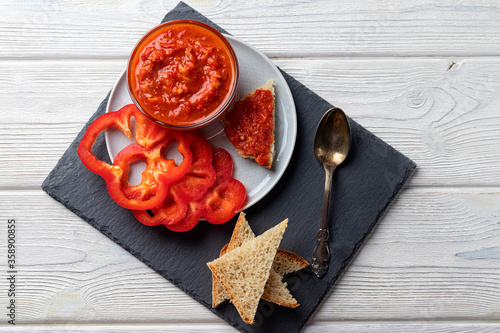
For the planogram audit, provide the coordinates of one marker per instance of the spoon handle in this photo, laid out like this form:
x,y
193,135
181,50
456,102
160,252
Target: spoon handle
x,y
321,252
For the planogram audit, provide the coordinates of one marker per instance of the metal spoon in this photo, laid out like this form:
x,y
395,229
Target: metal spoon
x,y
331,146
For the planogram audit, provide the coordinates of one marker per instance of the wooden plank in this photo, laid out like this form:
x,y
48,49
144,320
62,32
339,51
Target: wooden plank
x,y
109,29
375,327
72,272
443,118
433,256
403,327
440,113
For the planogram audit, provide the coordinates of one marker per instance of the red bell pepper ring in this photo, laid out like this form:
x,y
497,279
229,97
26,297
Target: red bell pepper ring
x,y
147,133
220,202
190,220
160,172
201,174
120,119
154,186
172,209
223,200
191,187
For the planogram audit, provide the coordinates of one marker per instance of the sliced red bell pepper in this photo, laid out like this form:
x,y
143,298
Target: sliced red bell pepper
x,y
223,200
159,173
121,120
172,209
147,133
201,174
191,187
220,202
190,220
174,195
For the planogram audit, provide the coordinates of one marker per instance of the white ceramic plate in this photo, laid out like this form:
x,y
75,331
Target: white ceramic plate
x,y
255,70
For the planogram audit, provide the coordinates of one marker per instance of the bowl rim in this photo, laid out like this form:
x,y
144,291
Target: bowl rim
x,y
222,108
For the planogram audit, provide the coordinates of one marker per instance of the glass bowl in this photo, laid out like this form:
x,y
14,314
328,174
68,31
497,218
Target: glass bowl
x,y
183,75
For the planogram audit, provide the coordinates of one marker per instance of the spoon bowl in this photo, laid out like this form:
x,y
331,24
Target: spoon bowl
x,y
332,140
331,147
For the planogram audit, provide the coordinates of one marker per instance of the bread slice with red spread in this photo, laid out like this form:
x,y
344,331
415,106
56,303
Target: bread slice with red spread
x,y
249,125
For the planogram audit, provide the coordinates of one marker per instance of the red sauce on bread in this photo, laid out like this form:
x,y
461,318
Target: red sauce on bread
x,y
250,126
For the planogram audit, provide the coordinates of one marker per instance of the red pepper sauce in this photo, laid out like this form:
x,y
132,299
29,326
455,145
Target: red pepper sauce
x,y
251,124
182,74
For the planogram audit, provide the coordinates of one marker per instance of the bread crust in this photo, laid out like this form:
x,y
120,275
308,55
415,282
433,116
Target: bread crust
x,y
285,262
241,233
250,266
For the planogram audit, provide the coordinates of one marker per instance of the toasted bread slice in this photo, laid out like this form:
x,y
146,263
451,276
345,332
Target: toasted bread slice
x,y
244,271
276,290
241,233
255,112
288,262
219,295
285,262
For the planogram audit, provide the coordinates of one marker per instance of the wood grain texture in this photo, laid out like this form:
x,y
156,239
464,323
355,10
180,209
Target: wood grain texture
x,y
443,118
434,256
320,327
340,28
421,75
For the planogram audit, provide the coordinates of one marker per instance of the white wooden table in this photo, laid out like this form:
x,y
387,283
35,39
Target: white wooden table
x,y
422,75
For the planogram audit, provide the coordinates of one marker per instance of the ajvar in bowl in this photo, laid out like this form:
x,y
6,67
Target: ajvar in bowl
x,y
183,74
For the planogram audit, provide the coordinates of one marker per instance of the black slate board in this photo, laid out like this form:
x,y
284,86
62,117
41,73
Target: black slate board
x,y
364,186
